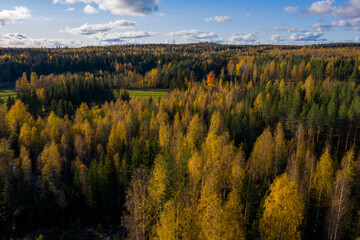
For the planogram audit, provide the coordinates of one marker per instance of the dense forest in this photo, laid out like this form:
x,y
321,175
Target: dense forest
x,y
252,142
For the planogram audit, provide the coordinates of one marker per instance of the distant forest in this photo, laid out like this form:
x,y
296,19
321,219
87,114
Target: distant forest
x,y
252,142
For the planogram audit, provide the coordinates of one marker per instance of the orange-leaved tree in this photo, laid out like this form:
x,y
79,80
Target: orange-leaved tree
x,y
211,79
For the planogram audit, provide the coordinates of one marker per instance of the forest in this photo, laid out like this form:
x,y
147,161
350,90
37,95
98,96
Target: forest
x,y
251,142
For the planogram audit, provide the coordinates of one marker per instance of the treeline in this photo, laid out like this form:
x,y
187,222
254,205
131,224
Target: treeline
x,y
175,66
262,159
61,94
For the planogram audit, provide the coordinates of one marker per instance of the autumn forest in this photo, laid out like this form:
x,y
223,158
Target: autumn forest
x,y
250,142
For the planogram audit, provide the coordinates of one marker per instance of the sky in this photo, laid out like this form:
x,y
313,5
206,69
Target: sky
x,y
77,23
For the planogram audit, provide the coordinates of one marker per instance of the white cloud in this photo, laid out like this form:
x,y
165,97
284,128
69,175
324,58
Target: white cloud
x,y
319,27
350,9
195,35
352,24
283,29
170,41
276,38
19,13
307,36
21,40
341,23
120,7
248,15
291,9
122,37
218,19
90,9
321,8
70,9
238,38
89,29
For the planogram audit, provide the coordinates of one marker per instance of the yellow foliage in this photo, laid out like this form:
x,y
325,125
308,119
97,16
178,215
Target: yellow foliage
x,y
17,116
258,103
164,135
42,96
282,86
117,137
261,159
51,162
25,162
280,148
25,136
53,127
324,175
158,181
195,167
249,85
167,228
309,86
238,66
194,132
283,211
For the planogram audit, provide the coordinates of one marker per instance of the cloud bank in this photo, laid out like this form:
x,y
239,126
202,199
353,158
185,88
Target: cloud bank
x,y
120,7
122,37
21,40
90,29
307,37
238,38
195,35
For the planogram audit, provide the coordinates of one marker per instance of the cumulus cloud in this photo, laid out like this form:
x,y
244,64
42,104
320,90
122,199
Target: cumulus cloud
x,y
350,9
19,13
90,29
291,9
321,8
307,36
120,7
218,19
90,9
238,38
342,23
352,24
21,40
195,35
70,9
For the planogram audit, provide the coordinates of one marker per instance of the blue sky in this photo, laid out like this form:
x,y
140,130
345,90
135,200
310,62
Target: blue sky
x,y
75,23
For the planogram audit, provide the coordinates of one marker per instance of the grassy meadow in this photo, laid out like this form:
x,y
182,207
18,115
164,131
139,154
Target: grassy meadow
x,y
144,93
4,94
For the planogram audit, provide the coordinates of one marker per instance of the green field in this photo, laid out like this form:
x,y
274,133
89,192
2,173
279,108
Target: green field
x,y
144,93
4,94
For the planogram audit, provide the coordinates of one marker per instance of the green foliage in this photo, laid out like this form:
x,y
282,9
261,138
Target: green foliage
x,y
230,161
